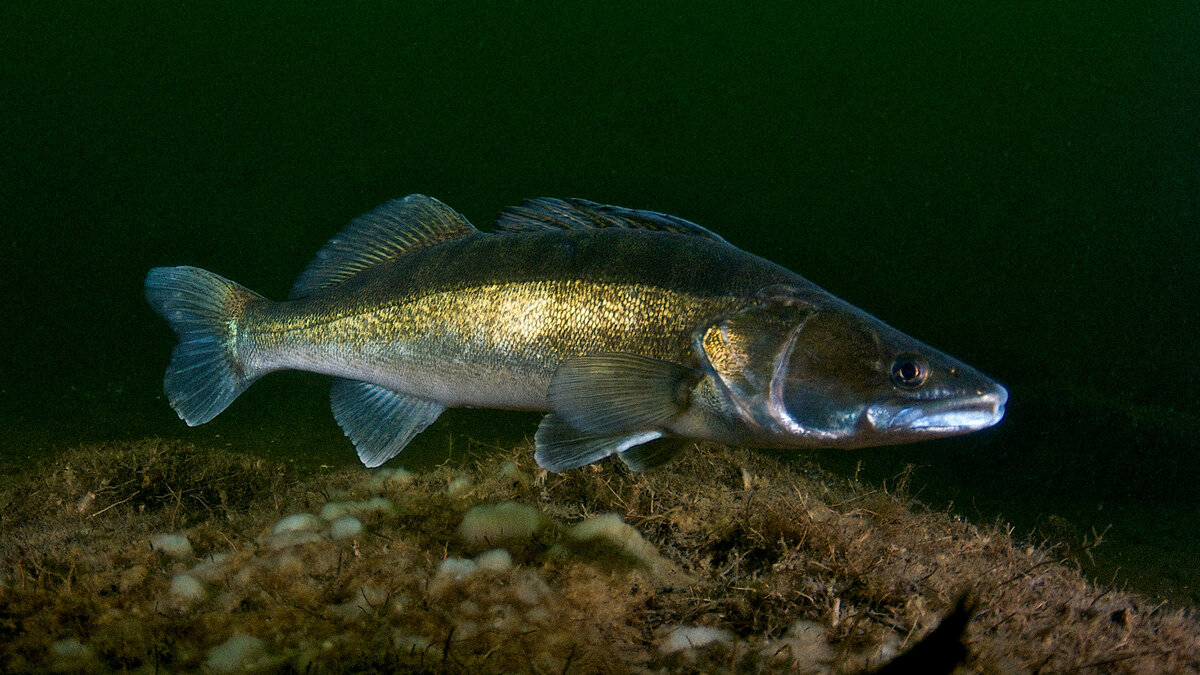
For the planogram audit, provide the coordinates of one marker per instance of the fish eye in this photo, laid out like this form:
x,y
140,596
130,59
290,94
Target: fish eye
x,y
909,371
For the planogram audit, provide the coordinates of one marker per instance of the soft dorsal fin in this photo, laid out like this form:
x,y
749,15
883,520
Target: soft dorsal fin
x,y
393,229
547,213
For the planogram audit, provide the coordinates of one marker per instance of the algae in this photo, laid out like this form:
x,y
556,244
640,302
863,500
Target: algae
x,y
768,567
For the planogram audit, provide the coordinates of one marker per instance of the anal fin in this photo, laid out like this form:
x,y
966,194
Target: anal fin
x,y
379,421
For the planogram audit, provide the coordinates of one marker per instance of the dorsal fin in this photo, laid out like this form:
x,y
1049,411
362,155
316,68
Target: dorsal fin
x,y
393,229
547,213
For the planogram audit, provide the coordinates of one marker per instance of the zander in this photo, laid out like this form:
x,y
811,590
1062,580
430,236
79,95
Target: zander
x,y
637,331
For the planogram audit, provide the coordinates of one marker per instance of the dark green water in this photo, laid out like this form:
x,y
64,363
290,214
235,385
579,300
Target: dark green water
x,y
1017,185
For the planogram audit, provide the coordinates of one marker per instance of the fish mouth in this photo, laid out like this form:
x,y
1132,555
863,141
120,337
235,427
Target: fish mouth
x,y
947,417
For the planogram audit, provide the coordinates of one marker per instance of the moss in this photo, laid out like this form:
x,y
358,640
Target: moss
x,y
805,572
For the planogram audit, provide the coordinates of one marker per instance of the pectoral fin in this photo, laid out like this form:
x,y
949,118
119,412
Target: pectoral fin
x,y
559,446
379,421
608,394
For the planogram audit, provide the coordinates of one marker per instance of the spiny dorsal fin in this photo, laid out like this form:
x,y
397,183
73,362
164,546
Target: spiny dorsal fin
x,y
547,213
393,229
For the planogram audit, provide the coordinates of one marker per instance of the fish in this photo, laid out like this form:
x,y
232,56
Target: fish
x,y
637,332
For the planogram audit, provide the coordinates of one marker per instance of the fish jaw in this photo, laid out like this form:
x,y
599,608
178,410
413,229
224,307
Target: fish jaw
x,y
905,422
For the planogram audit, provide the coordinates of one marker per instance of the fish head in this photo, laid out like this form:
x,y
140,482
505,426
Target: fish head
x,y
801,368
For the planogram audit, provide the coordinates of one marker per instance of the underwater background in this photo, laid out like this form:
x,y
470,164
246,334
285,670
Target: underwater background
x,y
1016,184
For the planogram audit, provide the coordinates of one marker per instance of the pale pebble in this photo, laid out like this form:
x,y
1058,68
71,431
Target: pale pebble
x,y
238,653
187,589
212,569
687,637
451,573
496,560
71,655
389,478
611,530
458,486
455,568
346,527
299,522
381,505
496,523
409,644
174,545
528,588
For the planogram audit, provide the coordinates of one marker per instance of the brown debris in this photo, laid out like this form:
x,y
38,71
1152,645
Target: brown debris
x,y
806,572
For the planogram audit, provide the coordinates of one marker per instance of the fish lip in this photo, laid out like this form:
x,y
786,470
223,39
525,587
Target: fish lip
x,y
949,416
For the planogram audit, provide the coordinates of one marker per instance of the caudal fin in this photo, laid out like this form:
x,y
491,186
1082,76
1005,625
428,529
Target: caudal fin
x,y
203,308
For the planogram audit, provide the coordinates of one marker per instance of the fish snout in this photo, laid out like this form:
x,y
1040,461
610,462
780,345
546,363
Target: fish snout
x,y
949,416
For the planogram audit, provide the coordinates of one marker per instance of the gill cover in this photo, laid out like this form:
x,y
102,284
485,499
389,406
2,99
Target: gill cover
x,y
747,352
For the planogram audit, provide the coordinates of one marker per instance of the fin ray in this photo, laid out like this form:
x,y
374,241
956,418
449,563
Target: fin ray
x,y
391,230
205,374
547,213
379,421
559,447
653,453
617,392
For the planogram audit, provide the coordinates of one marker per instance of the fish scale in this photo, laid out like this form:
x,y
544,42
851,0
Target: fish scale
x,y
626,326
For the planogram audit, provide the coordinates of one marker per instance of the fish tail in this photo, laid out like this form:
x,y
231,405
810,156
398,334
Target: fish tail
x,y
205,374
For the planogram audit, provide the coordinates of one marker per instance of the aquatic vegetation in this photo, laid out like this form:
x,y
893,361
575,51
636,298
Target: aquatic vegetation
x,y
723,560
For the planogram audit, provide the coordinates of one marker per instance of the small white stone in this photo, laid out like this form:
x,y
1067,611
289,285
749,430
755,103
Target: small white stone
x,y
381,505
276,542
368,600
611,530
528,588
409,644
71,655
334,510
238,653
497,523
687,637
299,522
806,645
175,545
467,629
459,486
346,527
68,648
497,561
389,478
451,573
455,568
187,589
211,569
510,471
